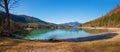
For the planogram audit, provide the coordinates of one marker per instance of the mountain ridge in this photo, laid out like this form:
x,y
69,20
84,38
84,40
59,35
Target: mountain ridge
x,y
72,24
28,20
22,18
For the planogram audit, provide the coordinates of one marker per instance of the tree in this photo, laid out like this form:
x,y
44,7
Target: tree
x,y
6,5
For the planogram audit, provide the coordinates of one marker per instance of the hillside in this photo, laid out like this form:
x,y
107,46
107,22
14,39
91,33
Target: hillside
x,y
112,19
28,20
23,18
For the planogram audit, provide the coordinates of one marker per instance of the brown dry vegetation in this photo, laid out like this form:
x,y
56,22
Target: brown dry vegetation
x,y
16,45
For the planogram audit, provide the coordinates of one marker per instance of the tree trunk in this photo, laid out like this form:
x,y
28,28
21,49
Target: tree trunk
x,y
7,16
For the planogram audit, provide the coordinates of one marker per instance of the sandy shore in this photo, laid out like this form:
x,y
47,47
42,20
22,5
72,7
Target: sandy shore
x,y
18,45
116,38
111,30
100,28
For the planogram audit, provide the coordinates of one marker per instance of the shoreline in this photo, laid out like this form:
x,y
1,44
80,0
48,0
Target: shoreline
x,y
110,32
114,31
110,28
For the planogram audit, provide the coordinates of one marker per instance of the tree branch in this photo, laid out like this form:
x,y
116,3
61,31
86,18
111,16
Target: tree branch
x,y
12,5
1,5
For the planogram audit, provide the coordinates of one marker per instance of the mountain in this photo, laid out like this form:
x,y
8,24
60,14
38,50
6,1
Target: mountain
x,y
28,20
114,11
111,19
72,24
23,18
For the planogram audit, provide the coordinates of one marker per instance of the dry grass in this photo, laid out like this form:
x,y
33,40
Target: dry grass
x,y
16,45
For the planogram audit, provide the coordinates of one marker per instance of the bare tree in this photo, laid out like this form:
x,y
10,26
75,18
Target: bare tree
x,y
6,5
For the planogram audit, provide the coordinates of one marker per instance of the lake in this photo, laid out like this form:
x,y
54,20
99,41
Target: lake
x,y
46,34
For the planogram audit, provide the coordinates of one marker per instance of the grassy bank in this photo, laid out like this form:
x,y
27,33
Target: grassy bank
x,y
16,45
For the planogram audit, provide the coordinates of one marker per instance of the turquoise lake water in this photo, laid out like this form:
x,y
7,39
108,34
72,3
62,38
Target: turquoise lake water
x,y
46,34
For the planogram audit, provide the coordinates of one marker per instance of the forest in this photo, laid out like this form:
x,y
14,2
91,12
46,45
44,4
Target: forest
x,y
112,19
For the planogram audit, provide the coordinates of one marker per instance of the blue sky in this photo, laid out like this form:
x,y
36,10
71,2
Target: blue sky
x,y
62,11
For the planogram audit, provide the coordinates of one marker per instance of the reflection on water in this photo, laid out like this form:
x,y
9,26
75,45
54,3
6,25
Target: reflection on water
x,y
95,31
46,34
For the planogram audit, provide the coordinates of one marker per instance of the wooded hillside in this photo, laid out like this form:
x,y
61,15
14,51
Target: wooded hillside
x,y
112,19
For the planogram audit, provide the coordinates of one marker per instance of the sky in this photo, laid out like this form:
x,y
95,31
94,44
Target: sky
x,y
63,11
